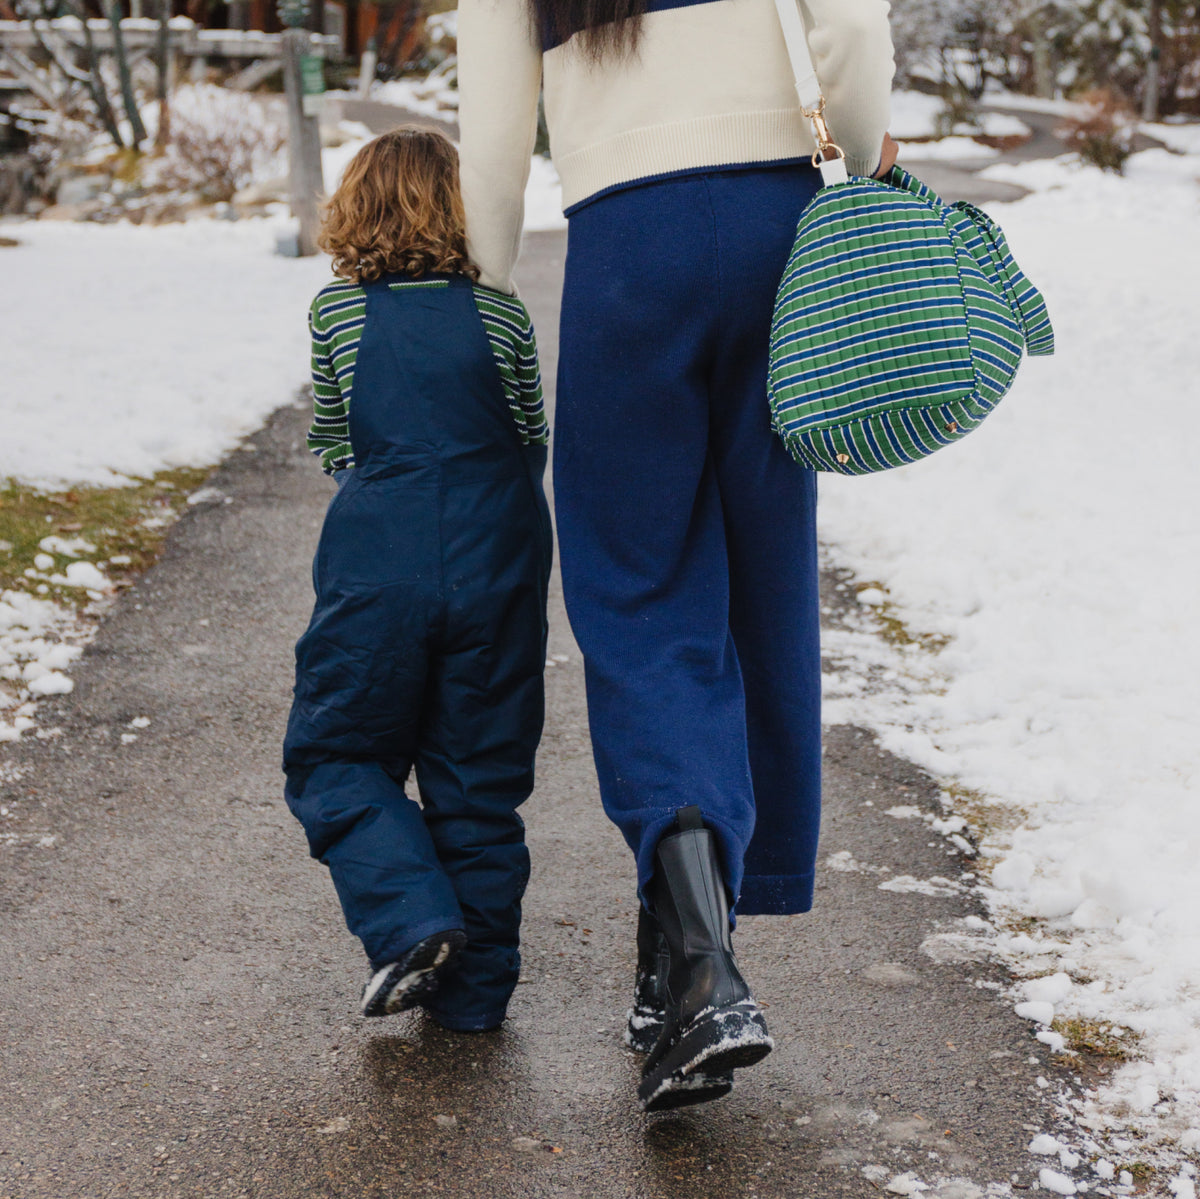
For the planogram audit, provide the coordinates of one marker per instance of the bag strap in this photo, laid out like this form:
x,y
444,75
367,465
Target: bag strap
x,y
829,156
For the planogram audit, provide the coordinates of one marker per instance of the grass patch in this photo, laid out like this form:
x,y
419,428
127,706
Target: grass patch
x,y
1031,926
1098,1038
893,630
1143,1174
128,523
984,816
987,821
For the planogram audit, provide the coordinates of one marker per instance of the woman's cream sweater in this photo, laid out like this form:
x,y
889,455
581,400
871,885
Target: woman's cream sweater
x,y
709,85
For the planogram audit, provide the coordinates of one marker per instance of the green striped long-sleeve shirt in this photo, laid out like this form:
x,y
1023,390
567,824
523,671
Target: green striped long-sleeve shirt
x,y
336,321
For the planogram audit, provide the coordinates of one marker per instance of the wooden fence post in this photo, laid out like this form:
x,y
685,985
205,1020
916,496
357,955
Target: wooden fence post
x,y
304,140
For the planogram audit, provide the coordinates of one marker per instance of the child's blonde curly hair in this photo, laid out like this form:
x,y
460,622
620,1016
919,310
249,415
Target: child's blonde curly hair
x,y
398,210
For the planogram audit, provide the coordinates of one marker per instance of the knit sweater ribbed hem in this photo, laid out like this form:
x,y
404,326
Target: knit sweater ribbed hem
x,y
740,137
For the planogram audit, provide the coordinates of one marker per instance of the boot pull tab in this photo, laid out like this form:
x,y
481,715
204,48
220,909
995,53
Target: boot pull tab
x,y
689,818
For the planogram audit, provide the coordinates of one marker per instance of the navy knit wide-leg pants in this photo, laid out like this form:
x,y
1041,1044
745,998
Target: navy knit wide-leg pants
x,y
687,535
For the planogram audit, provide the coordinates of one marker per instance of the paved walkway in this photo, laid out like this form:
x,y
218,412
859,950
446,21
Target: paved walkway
x,y
179,991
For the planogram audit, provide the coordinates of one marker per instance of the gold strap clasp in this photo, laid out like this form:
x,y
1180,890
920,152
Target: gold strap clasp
x,y
821,134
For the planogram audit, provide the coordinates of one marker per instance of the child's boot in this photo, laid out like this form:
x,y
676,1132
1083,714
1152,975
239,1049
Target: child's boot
x,y
413,978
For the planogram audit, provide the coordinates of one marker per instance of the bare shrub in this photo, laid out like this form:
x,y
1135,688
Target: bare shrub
x,y
221,141
1103,133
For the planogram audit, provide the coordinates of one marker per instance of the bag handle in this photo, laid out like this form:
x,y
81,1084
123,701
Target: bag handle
x,y
828,157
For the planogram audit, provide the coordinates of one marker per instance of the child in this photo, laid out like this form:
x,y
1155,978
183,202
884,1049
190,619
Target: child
x,y
428,641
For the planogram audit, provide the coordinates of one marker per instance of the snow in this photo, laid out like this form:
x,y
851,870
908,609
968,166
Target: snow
x,y
428,97
197,335
335,159
1054,107
1054,1041
441,26
906,1184
1058,552
845,863
906,884
52,682
916,115
543,197
1184,139
1038,1012
1044,1144
33,656
954,149
71,547
82,574
1056,1183
1002,124
1051,988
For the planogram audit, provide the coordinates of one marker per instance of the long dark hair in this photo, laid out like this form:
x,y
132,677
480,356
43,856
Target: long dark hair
x,y
604,26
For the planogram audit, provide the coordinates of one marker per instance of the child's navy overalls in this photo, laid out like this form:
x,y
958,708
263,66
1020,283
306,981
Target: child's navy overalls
x,y
426,650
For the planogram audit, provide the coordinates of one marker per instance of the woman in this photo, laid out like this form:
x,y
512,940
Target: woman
x,y
687,534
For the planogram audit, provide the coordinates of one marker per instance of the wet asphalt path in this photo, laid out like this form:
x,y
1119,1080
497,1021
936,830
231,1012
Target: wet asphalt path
x,y
178,991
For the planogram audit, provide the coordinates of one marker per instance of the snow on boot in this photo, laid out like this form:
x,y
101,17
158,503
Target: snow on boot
x,y
648,1014
646,1017
405,983
712,1024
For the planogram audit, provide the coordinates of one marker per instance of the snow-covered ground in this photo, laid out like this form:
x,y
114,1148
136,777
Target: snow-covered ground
x,y
137,348
916,115
1058,551
430,97
956,148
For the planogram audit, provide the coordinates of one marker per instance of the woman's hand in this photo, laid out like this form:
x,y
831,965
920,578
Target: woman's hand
x,y
887,156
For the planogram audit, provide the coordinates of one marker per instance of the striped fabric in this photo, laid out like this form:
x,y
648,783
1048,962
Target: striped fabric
x,y
336,321
899,325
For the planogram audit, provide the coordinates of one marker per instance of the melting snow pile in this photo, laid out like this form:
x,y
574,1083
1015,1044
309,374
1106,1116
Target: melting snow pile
x,y
39,638
35,649
1058,550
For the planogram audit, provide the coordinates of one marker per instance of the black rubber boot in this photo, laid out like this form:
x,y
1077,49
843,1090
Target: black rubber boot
x,y
712,1024
648,1015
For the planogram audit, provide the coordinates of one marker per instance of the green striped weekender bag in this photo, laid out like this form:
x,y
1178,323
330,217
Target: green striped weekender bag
x,y
899,325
